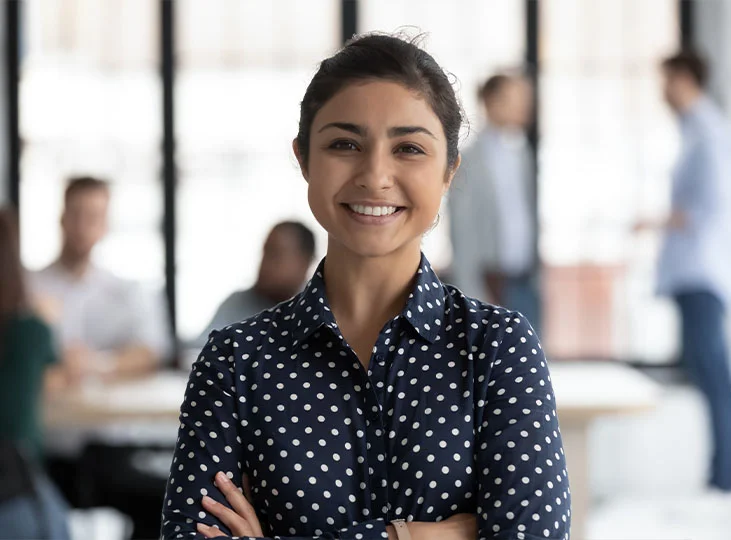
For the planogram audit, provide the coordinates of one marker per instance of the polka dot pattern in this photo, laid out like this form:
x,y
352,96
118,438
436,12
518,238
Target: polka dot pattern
x,y
454,414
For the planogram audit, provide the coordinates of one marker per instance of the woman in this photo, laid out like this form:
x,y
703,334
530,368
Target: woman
x,y
378,394
30,506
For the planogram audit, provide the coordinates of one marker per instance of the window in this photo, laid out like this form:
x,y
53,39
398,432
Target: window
x,y
607,145
90,103
242,70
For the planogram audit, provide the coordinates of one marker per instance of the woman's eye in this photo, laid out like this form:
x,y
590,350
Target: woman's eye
x,y
343,145
410,149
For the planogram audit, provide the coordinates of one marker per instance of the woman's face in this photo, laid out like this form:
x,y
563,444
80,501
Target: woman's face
x,y
377,168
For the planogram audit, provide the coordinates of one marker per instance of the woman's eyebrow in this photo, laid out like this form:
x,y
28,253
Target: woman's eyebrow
x,y
345,126
398,131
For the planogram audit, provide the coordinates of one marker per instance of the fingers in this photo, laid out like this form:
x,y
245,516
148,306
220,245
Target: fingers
x,y
210,532
237,524
238,502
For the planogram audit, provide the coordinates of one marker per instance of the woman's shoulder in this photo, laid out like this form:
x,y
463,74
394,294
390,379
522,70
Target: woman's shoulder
x,y
270,327
468,311
28,336
493,326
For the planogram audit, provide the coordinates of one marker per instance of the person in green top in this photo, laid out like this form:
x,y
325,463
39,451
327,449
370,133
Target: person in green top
x,y
34,510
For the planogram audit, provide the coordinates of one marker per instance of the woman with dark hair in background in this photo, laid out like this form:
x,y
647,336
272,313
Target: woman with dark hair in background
x,y
30,506
378,403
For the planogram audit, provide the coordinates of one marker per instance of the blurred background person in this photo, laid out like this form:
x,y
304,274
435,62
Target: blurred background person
x,y
288,253
492,205
105,325
694,268
30,506
107,329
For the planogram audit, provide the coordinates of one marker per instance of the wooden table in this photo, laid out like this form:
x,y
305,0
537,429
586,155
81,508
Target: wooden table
x,y
586,391
157,398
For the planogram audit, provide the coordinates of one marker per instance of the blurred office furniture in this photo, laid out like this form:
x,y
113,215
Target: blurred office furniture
x,y
155,397
585,392
128,468
579,308
649,471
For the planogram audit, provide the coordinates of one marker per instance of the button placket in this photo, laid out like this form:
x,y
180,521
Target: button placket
x,y
375,433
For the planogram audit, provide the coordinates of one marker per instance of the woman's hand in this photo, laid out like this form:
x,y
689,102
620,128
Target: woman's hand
x,y
242,520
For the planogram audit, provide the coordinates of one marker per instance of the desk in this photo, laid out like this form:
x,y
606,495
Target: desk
x,y
154,398
584,392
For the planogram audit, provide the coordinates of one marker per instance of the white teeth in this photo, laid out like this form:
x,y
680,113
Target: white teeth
x,y
372,210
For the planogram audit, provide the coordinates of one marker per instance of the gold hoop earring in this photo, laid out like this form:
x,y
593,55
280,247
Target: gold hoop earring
x,y
436,223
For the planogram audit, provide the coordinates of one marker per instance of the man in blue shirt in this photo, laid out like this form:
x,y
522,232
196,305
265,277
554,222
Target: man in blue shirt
x,y
695,262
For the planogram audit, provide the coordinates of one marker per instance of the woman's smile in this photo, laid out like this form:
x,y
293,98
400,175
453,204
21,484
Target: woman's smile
x,y
371,214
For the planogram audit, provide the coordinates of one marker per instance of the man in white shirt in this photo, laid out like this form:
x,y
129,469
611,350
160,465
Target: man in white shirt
x,y
105,325
492,207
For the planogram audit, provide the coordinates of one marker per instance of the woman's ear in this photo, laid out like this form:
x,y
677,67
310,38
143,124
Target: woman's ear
x,y
300,160
452,171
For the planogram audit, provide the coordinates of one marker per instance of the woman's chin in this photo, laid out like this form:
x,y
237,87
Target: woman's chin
x,y
379,247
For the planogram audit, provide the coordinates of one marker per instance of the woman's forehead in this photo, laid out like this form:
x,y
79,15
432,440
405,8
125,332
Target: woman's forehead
x,y
378,105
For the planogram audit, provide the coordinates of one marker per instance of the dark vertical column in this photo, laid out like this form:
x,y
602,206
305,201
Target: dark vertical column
x,y
532,27
167,36
685,8
12,77
349,19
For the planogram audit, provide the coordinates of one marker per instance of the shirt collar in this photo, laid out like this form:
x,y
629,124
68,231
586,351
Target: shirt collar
x,y
91,274
310,310
424,310
697,109
425,305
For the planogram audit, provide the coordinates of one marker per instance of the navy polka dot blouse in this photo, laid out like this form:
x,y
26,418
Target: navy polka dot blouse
x,y
455,414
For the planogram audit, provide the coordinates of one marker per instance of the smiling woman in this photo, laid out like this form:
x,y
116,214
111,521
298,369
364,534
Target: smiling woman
x,y
376,145
378,403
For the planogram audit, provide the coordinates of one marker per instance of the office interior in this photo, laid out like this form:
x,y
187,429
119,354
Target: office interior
x,y
188,109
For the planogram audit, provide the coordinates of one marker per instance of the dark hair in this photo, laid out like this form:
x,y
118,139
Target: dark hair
x,y
305,236
379,56
493,86
690,63
12,287
80,184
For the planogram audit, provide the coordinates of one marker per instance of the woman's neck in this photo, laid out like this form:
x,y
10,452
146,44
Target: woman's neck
x,y
369,290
